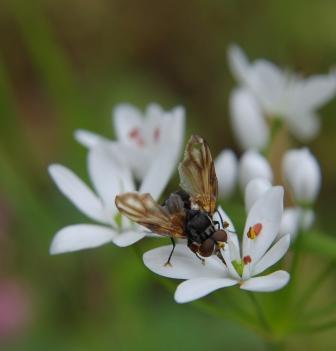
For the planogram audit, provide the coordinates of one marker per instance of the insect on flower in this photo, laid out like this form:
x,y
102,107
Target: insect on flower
x,y
187,213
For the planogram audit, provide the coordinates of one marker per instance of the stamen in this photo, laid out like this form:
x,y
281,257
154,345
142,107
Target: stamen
x,y
247,260
254,231
136,136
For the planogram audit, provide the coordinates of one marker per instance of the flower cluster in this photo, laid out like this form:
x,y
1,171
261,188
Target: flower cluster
x,y
268,95
145,154
241,264
301,177
113,166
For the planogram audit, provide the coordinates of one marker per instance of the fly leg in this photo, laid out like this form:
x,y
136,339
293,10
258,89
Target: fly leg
x,y
200,258
218,253
225,224
171,254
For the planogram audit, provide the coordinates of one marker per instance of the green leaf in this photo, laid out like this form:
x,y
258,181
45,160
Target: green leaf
x,y
319,243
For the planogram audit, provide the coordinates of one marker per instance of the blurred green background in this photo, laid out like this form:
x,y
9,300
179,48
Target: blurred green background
x,y
63,65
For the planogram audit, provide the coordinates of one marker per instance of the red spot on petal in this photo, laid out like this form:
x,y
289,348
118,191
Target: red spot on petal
x,y
157,134
136,136
247,259
257,228
254,231
134,133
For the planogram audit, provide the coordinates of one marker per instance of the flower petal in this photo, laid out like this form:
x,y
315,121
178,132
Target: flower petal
x,y
273,255
303,174
248,123
126,118
89,139
303,124
226,165
318,90
80,236
185,265
231,231
159,173
78,192
267,211
267,283
268,83
254,189
238,63
128,238
253,165
108,176
196,288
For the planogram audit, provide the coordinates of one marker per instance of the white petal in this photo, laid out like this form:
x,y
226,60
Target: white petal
x,y
89,139
231,231
303,174
254,189
226,165
318,90
185,265
303,124
290,222
128,238
248,123
267,283
253,165
196,288
126,118
78,192
294,219
159,173
166,158
273,255
230,253
267,211
238,63
80,236
268,83
107,176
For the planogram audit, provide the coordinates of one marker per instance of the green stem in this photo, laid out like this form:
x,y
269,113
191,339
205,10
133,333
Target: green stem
x,y
315,285
321,312
260,312
317,328
276,126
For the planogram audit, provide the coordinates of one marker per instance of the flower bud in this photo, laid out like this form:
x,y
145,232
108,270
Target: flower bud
x,y
248,123
253,165
226,166
254,189
303,174
295,219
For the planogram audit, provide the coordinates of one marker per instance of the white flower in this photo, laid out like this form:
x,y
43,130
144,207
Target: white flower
x,y
109,179
303,174
248,123
253,165
254,190
283,95
295,219
142,137
226,166
257,255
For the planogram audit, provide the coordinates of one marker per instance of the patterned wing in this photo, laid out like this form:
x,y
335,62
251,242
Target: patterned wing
x,y
198,176
142,209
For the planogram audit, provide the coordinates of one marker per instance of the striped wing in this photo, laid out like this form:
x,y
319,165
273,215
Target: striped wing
x,y
144,210
198,176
